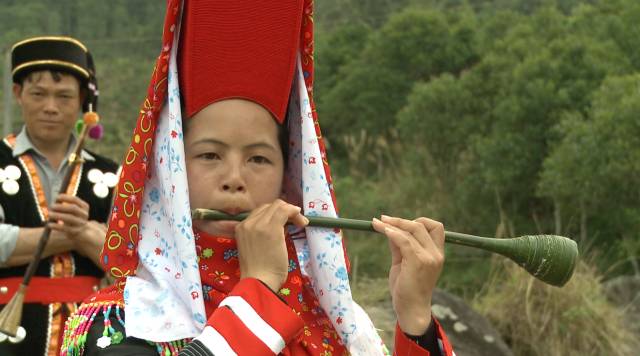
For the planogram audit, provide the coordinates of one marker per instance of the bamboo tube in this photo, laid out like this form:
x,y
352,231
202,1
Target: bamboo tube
x,y
550,258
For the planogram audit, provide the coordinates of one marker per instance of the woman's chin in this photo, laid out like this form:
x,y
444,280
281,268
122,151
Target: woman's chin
x,y
223,228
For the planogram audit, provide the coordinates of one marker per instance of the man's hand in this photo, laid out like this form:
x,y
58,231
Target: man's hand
x,y
70,213
72,219
90,241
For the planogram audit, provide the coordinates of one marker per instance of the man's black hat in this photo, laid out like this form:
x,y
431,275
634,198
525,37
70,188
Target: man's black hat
x,y
57,53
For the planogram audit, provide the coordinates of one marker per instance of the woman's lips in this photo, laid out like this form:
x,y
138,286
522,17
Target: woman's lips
x,y
232,211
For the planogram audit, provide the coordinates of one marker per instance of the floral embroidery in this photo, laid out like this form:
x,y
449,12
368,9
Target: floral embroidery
x,y
231,253
205,291
207,252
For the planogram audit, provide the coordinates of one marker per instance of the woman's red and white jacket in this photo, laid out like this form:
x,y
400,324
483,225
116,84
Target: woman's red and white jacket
x,y
252,320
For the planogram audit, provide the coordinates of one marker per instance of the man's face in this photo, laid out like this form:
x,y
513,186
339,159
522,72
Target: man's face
x,y
49,107
234,161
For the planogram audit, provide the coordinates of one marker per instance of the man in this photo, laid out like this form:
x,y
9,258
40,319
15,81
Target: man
x,y
54,82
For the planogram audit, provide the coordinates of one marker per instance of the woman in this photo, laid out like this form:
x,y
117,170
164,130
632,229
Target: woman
x,y
241,75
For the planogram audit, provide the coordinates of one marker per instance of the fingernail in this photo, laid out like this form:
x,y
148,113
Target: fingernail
x,y
384,216
376,220
306,221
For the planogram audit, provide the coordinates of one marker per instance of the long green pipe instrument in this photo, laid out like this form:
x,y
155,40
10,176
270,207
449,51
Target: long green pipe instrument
x,y
550,258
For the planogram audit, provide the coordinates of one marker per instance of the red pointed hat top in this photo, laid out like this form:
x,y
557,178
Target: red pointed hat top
x,y
239,49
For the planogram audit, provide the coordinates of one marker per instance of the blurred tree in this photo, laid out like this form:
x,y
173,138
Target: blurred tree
x,y
594,171
615,20
335,49
412,46
544,71
436,127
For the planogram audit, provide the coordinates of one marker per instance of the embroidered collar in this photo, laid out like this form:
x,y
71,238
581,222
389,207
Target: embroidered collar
x,y
23,144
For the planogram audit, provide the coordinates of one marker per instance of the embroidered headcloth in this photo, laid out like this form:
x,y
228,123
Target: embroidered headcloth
x,y
58,53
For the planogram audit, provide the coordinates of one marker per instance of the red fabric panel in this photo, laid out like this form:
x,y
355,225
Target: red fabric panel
x,y
407,347
273,311
239,49
448,349
238,336
48,290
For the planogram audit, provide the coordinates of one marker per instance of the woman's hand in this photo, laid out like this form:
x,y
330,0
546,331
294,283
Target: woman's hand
x,y
417,256
262,250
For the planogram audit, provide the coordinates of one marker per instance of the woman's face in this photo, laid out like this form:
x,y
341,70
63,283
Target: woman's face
x,y
234,160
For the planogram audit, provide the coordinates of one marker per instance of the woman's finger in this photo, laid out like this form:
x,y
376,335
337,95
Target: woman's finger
x,y
289,213
255,213
404,245
396,255
435,230
281,212
416,229
404,242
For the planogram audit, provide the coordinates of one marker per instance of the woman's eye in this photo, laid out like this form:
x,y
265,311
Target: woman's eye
x,y
209,156
259,160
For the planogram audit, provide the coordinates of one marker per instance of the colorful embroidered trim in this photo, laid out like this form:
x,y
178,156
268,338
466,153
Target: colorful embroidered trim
x,y
77,327
170,348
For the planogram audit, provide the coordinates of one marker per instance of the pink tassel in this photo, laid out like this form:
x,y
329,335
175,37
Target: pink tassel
x,y
96,132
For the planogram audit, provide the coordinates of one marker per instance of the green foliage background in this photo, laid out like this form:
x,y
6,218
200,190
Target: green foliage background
x,y
498,117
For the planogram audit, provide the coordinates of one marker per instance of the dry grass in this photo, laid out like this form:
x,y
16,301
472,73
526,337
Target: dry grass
x,y
537,319
532,317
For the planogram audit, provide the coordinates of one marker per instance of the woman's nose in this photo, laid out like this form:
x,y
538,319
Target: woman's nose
x,y
233,181
233,187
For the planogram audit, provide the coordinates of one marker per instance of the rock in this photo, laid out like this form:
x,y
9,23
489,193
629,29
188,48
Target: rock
x,y
470,333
